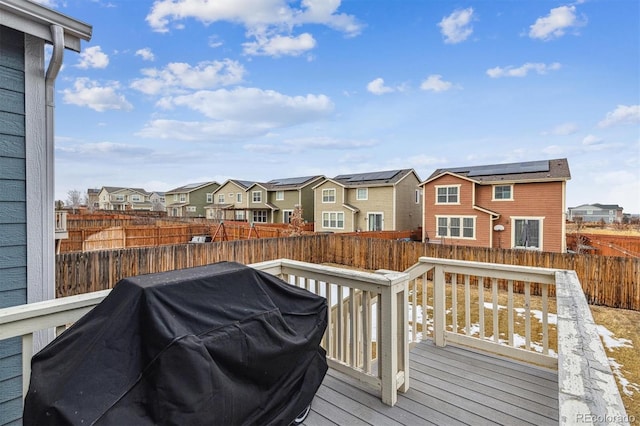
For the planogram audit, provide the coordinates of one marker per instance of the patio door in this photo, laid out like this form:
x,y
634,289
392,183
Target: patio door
x,y
374,221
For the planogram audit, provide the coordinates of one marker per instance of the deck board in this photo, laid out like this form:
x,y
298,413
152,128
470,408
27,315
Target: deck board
x,y
449,386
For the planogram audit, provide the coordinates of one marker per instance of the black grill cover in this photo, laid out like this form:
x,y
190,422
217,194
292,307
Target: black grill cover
x,y
222,344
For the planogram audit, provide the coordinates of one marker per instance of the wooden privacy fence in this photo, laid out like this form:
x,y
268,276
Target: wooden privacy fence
x,y
609,281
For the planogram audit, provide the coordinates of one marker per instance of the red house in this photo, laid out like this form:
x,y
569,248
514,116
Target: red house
x,y
514,205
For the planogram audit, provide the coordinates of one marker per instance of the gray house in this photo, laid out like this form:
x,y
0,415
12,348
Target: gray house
x,y
27,253
609,213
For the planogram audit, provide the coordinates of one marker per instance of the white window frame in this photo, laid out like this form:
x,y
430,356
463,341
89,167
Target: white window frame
x,y
183,198
327,220
279,195
191,209
239,215
175,197
329,195
209,197
540,219
461,227
220,198
238,197
256,197
447,202
119,197
418,195
135,198
381,214
284,216
495,187
366,194
259,214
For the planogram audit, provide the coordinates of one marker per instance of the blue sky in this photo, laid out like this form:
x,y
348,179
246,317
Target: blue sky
x,y
181,91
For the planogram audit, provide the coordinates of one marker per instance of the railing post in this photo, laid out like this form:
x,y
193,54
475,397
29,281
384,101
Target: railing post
x,y
439,308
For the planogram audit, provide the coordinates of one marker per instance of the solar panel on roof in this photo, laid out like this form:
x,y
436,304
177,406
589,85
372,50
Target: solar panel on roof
x,y
193,185
290,181
369,176
507,169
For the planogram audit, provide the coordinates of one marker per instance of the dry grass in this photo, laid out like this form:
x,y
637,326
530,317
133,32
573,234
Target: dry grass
x,y
624,230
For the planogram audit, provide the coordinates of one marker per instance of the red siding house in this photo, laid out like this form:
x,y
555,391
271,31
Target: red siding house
x,y
514,205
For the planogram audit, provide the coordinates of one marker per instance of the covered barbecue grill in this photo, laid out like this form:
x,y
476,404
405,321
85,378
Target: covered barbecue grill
x,y
218,344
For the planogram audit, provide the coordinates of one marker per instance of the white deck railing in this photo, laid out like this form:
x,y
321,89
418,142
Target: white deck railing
x,y
61,225
464,299
370,315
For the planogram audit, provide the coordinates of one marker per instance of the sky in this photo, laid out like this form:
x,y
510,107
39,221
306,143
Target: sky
x,y
173,92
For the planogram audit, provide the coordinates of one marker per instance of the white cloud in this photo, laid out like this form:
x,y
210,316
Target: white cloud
x,y
377,87
254,105
257,16
457,26
591,140
102,148
555,150
623,114
280,45
93,57
214,41
98,97
435,83
178,76
213,131
563,129
522,70
555,24
146,54
299,145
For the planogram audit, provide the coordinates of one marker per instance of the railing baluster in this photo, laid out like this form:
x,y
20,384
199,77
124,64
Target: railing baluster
x,y
353,338
545,319
454,303
481,305
467,305
510,311
366,331
340,330
425,312
27,354
494,290
527,315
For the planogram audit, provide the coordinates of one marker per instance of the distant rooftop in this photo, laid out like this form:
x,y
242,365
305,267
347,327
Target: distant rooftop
x,y
557,169
372,178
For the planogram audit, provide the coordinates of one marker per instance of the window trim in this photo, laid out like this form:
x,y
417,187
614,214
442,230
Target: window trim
x,y
209,197
238,197
326,199
260,212
279,195
461,226
493,193
328,221
220,198
284,213
366,194
254,199
457,202
540,219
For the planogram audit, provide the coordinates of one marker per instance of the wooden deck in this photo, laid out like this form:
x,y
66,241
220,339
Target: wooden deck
x,y
449,386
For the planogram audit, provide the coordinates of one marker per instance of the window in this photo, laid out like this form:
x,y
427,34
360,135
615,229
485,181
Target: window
x,y
256,196
191,209
502,192
135,198
418,194
362,193
209,197
374,221
239,197
220,198
279,195
329,195
175,197
456,226
183,198
333,220
239,215
119,197
447,194
260,216
527,233
286,216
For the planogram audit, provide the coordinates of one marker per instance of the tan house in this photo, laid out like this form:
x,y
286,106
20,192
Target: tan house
x,y
514,205
376,201
189,200
229,201
118,198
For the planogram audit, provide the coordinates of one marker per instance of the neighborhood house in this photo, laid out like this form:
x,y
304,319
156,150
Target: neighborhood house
x,y
514,205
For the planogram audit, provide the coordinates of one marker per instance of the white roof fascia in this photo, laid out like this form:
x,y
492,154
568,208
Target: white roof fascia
x,y
34,19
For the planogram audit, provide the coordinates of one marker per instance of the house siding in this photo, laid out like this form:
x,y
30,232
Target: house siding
x,y
308,203
534,200
321,207
13,215
379,200
407,210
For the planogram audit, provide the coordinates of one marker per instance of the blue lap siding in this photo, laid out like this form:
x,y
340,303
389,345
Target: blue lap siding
x,y
13,214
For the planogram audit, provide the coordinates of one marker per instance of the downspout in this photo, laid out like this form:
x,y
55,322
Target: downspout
x,y
55,63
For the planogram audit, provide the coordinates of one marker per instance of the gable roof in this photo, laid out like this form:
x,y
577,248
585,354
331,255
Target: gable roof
x,y
284,184
380,178
529,171
600,206
191,187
